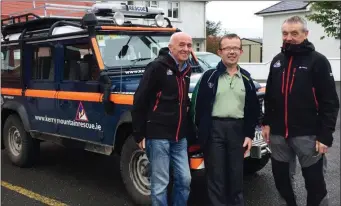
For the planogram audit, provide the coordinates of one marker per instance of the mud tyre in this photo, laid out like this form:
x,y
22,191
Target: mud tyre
x,y
134,164
20,147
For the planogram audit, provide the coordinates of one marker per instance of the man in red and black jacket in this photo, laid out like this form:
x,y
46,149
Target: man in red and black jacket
x,y
301,108
159,116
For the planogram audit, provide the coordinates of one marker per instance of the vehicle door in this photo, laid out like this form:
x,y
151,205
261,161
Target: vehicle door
x,y
79,108
39,78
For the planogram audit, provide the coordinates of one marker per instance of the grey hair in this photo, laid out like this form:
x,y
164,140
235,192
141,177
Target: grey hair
x,y
297,19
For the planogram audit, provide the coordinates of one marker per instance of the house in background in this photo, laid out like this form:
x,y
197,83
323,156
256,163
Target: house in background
x,y
252,50
273,18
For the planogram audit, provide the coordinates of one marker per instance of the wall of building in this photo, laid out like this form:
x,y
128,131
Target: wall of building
x,y
251,51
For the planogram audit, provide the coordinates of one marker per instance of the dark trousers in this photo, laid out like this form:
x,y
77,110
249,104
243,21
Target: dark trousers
x,y
224,157
312,163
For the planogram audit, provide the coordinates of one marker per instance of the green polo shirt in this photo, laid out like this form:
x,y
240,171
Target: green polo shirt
x,y
230,97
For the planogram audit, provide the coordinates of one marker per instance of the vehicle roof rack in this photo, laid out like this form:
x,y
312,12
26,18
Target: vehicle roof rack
x,y
106,14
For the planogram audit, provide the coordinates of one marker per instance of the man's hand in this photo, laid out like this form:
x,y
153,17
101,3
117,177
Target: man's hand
x,y
266,133
248,144
142,144
321,148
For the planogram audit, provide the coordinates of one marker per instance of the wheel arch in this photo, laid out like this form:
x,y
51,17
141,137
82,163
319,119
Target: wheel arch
x,y
12,107
123,129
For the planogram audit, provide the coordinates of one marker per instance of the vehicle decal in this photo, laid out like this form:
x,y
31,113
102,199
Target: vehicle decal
x,y
117,98
93,126
118,28
81,114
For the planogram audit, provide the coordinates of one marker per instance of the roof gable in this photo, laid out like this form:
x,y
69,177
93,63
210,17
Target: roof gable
x,y
284,6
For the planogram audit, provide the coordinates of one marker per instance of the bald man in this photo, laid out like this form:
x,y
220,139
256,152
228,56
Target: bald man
x,y
159,118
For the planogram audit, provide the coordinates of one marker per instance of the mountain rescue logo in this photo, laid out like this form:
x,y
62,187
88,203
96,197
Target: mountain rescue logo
x,y
81,114
277,64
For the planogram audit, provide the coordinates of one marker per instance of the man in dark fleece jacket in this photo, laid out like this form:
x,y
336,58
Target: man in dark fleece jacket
x,y
159,115
301,108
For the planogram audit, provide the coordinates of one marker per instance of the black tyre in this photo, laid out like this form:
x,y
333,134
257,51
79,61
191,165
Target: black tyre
x,y
134,164
22,150
252,165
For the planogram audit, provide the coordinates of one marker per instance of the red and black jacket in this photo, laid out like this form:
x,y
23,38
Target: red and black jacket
x,y
161,101
301,96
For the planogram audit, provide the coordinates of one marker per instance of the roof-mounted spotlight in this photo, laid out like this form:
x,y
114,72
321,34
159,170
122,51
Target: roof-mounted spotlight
x,y
118,18
159,20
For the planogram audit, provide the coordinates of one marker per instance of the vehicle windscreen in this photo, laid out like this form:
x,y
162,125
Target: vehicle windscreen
x,y
120,50
210,59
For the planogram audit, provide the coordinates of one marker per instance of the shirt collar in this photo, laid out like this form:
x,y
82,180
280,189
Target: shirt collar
x,y
184,66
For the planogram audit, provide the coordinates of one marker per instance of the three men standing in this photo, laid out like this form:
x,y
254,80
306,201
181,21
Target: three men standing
x,y
225,109
301,108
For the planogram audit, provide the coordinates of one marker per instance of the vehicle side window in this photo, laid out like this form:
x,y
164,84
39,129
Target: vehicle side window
x,y
10,62
79,63
42,64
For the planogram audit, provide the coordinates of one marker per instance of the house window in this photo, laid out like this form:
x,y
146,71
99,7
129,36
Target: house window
x,y
173,10
198,47
152,4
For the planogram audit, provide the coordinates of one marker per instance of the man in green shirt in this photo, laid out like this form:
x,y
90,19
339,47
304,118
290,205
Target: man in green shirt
x,y
225,110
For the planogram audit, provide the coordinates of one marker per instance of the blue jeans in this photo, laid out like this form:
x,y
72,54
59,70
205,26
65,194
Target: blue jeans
x,y
162,154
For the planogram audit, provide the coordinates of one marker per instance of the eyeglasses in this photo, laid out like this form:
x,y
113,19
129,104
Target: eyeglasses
x,y
231,49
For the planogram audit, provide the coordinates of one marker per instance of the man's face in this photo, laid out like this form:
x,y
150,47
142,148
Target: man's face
x,y
293,33
181,47
230,51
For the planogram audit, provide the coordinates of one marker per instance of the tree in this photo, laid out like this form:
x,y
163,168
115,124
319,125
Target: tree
x,y
213,28
328,14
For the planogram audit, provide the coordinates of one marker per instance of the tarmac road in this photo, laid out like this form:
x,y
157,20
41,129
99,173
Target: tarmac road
x,y
68,177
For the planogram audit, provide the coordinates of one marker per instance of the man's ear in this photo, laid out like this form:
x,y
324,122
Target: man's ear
x,y
219,52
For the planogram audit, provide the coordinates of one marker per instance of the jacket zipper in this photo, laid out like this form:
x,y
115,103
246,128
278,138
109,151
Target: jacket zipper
x,y
157,100
283,82
293,78
180,113
286,100
179,81
316,102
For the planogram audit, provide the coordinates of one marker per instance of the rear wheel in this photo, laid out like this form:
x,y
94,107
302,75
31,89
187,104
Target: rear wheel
x,y
21,148
252,165
134,171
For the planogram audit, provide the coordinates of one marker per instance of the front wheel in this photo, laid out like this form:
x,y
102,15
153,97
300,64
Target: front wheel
x,y
253,165
134,171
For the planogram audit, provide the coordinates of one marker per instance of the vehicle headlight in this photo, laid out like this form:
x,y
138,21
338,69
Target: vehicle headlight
x,y
159,20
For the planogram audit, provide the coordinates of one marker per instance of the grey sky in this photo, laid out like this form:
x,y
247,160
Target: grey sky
x,y
238,16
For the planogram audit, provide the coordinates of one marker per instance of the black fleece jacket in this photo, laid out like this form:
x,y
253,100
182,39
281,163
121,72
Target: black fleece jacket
x,y
161,100
301,96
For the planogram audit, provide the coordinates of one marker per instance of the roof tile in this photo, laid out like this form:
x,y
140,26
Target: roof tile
x,y
285,6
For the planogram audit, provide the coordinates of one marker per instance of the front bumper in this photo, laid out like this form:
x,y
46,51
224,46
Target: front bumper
x,y
258,150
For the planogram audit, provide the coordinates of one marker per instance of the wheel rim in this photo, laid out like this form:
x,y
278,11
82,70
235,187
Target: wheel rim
x,y
15,141
137,167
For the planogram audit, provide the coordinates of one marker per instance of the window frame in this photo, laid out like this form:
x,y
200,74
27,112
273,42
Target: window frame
x,y
62,67
172,3
34,50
